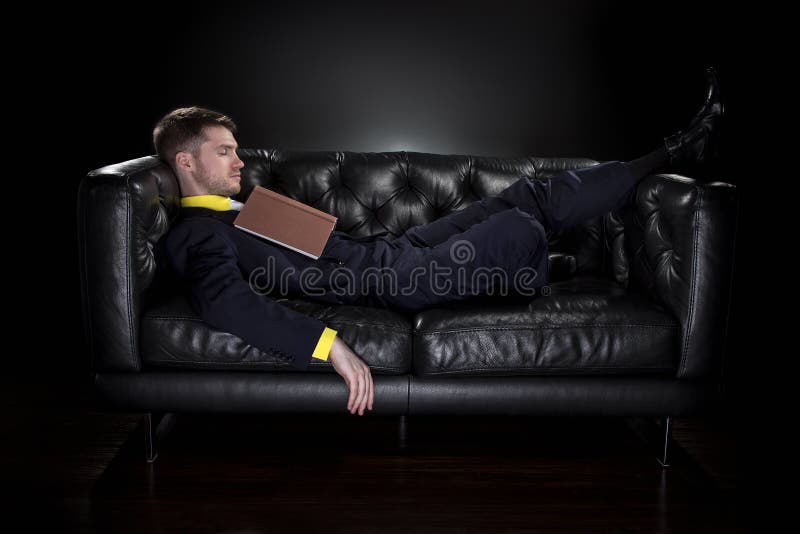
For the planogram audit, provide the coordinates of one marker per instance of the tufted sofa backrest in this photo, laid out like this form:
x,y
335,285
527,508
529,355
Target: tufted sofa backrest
x,y
125,209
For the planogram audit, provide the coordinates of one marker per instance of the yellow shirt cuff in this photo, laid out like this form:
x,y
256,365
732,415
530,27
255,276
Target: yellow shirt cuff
x,y
324,344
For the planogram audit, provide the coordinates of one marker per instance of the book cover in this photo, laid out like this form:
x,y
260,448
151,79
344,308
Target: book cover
x,y
285,221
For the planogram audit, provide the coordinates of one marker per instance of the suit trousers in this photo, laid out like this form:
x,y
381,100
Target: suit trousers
x,y
495,246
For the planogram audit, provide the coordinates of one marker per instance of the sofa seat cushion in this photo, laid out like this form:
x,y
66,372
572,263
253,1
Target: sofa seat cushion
x,y
174,336
585,326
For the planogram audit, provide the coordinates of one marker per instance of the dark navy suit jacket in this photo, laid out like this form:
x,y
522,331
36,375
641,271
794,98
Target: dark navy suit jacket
x,y
217,259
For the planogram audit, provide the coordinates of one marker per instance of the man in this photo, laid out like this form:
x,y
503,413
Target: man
x,y
507,232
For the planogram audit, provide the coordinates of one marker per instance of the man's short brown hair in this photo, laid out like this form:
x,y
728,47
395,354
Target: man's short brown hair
x,y
181,130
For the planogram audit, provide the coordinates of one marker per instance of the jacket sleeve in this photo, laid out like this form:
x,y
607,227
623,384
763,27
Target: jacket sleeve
x,y
203,255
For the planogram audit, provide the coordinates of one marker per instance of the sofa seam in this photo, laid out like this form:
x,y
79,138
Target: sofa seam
x,y
128,262
258,364
371,325
332,323
523,328
504,369
453,331
692,282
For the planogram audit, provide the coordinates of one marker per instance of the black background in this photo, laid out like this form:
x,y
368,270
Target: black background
x,y
605,80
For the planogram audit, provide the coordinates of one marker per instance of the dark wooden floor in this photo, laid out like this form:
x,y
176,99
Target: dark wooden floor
x,y
68,467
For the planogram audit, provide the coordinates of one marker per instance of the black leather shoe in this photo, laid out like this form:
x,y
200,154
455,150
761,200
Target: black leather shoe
x,y
699,142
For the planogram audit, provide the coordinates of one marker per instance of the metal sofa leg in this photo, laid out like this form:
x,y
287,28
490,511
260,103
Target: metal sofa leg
x,y
656,434
667,434
156,428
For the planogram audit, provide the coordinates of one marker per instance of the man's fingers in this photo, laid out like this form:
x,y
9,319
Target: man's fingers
x,y
353,387
362,391
367,390
355,393
368,400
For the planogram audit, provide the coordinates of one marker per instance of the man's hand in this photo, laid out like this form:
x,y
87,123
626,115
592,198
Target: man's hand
x,y
356,375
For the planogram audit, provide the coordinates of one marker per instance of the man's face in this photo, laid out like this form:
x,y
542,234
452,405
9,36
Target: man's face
x,y
218,167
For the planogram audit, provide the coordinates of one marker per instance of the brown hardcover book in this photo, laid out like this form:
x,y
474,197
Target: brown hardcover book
x,y
285,221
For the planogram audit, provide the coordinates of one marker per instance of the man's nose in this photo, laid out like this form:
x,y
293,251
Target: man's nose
x,y
238,163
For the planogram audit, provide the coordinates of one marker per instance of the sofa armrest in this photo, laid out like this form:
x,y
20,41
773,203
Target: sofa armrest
x,y
122,213
679,245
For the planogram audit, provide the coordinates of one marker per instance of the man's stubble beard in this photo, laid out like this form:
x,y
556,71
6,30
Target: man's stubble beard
x,y
219,186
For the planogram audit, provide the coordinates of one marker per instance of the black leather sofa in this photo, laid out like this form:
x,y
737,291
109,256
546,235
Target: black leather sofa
x,y
633,322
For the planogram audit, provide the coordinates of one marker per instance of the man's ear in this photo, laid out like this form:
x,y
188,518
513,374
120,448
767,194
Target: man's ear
x,y
184,161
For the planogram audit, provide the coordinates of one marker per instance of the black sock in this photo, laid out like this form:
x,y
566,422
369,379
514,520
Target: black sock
x,y
648,163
